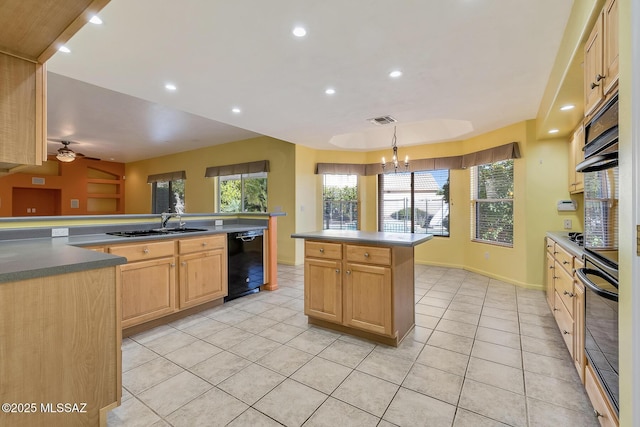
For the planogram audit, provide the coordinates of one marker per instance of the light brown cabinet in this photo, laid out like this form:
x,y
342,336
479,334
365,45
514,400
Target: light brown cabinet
x,y
22,113
601,407
203,270
601,63
611,64
148,281
165,276
565,295
576,155
361,289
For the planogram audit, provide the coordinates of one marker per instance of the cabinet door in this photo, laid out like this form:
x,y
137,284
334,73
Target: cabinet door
x,y
203,277
323,289
148,290
611,62
578,319
565,324
550,267
367,298
593,72
576,155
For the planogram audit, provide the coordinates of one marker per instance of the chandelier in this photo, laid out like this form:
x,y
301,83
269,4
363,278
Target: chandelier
x,y
394,158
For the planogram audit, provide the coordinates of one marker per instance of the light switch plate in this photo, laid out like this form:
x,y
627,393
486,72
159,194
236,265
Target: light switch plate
x,y
567,224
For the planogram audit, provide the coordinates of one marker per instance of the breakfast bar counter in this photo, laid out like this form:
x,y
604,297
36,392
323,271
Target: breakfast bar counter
x,y
361,282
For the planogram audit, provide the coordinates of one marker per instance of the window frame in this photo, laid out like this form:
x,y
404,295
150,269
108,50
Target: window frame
x,y
476,202
357,203
241,177
412,197
154,196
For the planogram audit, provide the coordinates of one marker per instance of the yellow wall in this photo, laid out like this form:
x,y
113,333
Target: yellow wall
x,y
199,191
541,179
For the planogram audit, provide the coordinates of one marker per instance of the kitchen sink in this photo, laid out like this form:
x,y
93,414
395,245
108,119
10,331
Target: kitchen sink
x,y
155,232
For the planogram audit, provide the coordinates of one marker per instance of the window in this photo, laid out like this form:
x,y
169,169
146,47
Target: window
x,y
414,202
340,202
492,202
243,192
168,195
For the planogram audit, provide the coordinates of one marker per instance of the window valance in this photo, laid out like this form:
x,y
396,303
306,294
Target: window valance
x,y
167,176
490,155
238,168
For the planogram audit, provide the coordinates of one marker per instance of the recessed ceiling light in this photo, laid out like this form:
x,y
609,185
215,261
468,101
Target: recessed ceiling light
x,y
299,32
567,107
554,131
170,86
64,49
330,91
236,110
95,20
395,74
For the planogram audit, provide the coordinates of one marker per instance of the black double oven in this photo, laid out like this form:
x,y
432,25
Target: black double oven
x,y
600,273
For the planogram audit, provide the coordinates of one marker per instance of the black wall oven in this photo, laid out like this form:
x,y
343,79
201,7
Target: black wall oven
x,y
600,273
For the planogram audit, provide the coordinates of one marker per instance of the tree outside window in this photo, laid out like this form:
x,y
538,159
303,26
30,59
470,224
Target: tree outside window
x,y
340,202
168,196
492,197
243,193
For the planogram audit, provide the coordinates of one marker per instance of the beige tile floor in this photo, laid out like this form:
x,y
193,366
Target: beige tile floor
x,y
483,353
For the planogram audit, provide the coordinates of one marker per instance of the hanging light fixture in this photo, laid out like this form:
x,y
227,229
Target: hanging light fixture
x,y
65,154
394,158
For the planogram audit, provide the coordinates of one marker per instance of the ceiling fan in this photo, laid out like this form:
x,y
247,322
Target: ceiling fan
x,y
66,154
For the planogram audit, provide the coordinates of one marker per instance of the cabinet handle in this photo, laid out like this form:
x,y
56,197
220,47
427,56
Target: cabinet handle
x,y
597,414
565,262
569,294
204,243
348,271
337,270
551,267
321,250
182,264
565,332
173,264
599,77
549,246
556,309
554,277
555,252
145,250
594,85
366,254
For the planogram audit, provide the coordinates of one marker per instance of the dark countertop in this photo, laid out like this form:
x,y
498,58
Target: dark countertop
x,y
23,259
368,237
562,238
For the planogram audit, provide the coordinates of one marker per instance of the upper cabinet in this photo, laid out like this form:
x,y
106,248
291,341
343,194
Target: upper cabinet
x,y
576,155
610,43
601,58
32,31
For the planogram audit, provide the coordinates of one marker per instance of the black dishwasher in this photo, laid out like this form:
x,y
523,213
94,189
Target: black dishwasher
x,y
244,263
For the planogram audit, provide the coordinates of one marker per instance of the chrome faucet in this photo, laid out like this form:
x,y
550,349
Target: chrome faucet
x,y
166,216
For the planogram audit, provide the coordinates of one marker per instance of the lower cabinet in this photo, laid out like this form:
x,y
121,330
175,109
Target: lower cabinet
x,y
203,277
601,408
148,290
166,276
360,289
323,289
367,297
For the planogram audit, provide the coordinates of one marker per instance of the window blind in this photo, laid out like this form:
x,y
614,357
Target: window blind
x,y
492,202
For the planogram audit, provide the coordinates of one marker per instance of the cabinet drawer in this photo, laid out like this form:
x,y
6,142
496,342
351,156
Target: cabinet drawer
x,y
197,244
605,415
550,244
369,254
142,251
564,287
565,323
323,250
564,258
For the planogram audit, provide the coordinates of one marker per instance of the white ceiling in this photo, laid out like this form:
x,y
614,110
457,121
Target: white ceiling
x,y
469,66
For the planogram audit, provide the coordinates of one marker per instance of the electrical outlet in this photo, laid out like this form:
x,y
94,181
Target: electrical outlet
x,y
218,222
59,232
567,224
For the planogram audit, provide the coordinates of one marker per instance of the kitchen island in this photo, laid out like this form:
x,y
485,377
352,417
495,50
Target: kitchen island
x,y
361,282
